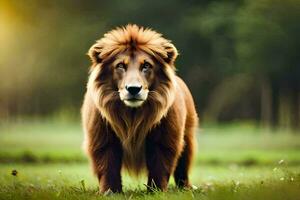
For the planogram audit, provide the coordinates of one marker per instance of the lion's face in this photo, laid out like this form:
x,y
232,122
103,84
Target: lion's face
x,y
133,74
132,66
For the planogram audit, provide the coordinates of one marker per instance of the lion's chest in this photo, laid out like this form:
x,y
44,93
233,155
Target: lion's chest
x,y
134,158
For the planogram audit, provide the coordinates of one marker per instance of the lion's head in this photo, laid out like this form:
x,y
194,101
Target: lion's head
x,y
132,80
135,59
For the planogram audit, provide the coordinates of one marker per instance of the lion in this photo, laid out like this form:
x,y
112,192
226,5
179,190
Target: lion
x,y
137,113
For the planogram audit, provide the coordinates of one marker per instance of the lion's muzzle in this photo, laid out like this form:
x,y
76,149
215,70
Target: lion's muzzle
x,y
133,95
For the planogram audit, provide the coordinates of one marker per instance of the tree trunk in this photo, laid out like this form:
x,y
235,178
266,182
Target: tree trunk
x,y
275,105
266,103
295,103
285,109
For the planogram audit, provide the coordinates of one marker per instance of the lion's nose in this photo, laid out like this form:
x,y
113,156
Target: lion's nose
x,y
133,90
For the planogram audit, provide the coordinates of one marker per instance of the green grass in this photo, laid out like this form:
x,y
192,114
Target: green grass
x,y
74,181
238,161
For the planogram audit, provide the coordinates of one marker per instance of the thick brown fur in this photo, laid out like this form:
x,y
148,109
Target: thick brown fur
x,y
158,136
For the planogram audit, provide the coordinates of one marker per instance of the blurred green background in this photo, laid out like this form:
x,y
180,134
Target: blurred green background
x,y
240,58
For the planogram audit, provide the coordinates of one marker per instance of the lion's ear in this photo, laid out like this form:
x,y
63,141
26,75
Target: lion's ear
x,y
172,53
94,54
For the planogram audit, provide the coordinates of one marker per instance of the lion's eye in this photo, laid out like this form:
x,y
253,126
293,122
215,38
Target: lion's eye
x,y
146,66
121,66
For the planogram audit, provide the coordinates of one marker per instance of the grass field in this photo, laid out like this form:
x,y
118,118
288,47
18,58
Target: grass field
x,y
237,161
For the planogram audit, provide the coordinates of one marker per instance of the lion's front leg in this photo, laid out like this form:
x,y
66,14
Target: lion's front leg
x,y
160,160
107,163
108,170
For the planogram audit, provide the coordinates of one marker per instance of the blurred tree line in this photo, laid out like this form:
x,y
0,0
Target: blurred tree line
x,y
239,57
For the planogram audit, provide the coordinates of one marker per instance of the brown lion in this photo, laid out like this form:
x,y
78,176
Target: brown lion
x,y
137,113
